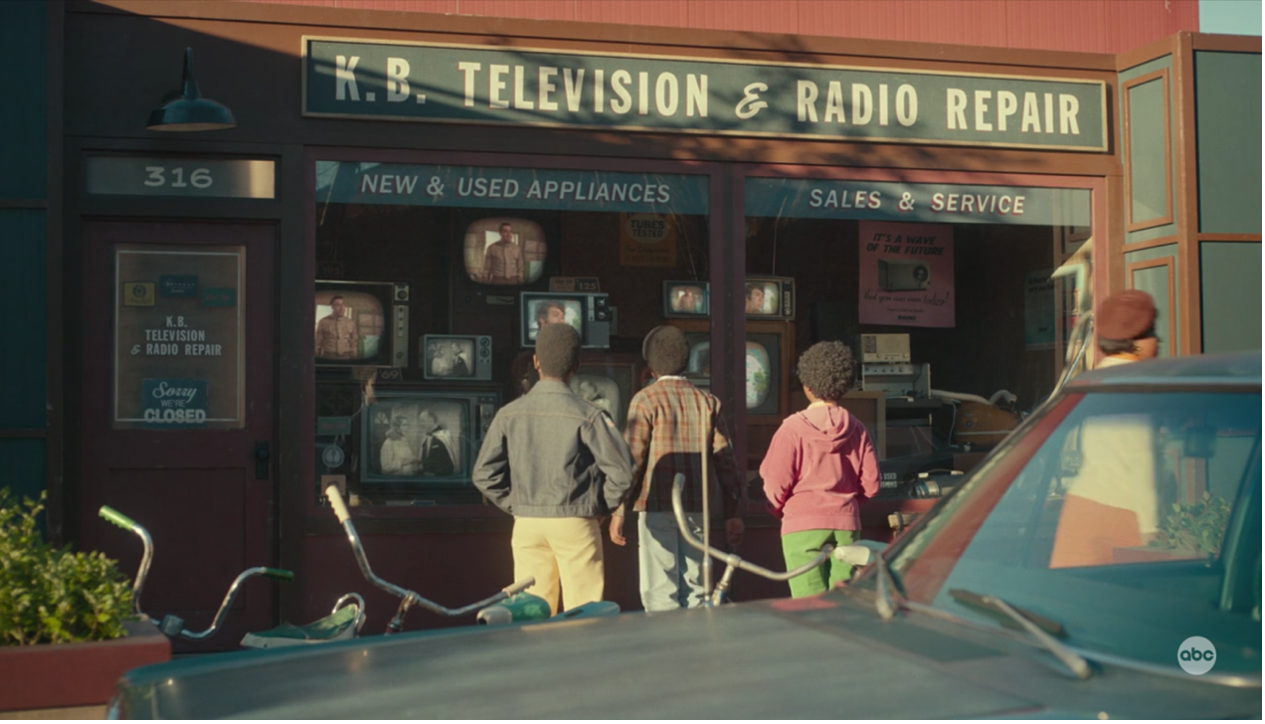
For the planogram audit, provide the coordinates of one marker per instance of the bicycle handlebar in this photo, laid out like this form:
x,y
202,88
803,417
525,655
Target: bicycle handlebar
x,y
275,573
278,574
407,597
730,559
147,556
117,518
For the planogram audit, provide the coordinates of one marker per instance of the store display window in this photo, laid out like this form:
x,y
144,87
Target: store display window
x,y
956,299
432,282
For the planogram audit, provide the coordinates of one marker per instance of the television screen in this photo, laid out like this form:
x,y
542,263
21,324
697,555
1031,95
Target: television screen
x,y
770,298
763,374
353,323
603,392
505,251
423,436
685,299
589,313
609,381
759,374
699,363
456,357
550,311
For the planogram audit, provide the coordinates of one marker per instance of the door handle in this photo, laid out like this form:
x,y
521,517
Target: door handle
x,y
261,459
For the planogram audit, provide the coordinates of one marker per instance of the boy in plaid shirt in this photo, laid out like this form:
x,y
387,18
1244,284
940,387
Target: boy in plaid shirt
x,y
668,422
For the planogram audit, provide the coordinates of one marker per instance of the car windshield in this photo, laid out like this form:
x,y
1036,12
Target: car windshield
x,y
1133,519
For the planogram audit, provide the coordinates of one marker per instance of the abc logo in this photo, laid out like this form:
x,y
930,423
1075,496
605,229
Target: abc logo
x,y
1197,655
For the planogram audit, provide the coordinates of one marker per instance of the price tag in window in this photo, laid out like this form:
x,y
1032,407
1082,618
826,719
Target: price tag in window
x,y
574,284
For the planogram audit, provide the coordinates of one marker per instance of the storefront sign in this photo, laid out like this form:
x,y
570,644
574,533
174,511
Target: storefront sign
x,y
520,188
179,357
647,240
906,275
931,203
461,84
180,176
174,403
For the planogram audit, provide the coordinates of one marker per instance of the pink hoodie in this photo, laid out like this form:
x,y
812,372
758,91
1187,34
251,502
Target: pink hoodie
x,y
819,468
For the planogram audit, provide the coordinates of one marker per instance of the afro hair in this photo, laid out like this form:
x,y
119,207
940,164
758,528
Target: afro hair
x,y
826,369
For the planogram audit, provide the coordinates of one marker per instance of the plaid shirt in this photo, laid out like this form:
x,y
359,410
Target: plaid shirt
x,y
667,423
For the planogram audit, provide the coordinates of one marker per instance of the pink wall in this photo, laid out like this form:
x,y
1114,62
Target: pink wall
x,y
1092,26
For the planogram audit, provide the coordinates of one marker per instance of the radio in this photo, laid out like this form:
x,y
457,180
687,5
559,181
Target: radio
x,y
885,348
896,275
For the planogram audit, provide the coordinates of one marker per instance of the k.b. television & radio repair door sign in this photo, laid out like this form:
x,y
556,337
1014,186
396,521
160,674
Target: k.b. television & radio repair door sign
x,y
179,346
906,274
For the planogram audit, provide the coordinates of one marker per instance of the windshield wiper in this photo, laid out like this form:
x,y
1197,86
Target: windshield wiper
x,y
1039,627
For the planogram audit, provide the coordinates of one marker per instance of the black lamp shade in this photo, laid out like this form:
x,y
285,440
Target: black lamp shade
x,y
190,111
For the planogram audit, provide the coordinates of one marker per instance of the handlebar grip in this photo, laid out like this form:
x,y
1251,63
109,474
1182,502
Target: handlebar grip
x,y
279,574
116,517
336,500
519,586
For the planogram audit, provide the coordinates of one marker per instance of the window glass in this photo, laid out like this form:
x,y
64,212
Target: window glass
x,y
432,284
1136,524
957,300
180,337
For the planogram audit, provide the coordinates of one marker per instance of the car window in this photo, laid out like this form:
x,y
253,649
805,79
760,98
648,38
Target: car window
x,y
1135,523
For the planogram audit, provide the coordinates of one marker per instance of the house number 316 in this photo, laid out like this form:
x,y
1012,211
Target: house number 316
x,y
200,178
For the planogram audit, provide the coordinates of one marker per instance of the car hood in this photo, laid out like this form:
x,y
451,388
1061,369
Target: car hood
x,y
822,657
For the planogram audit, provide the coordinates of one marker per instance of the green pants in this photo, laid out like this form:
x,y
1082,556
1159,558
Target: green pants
x,y
802,547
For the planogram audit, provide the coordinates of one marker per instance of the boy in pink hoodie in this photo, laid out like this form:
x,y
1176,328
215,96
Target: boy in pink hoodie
x,y
819,468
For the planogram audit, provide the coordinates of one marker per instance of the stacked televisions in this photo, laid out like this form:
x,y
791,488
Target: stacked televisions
x,y
416,435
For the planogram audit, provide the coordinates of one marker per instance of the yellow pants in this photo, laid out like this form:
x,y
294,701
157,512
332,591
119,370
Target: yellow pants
x,y
566,551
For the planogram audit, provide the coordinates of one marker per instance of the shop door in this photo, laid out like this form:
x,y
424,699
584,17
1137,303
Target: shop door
x,y
177,413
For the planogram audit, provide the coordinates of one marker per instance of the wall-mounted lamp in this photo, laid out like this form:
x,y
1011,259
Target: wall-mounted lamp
x,y
189,111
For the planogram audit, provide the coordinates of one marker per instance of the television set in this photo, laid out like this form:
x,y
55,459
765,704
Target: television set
x,y
361,324
455,357
766,360
589,313
770,298
423,437
504,251
609,381
766,385
686,299
698,365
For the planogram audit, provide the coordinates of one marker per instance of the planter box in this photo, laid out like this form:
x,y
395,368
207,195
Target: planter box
x,y
61,676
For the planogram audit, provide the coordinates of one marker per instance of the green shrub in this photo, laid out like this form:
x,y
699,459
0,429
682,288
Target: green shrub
x,y
51,595
1196,527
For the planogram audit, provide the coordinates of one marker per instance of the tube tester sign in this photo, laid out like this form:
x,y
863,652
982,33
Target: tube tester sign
x,y
462,84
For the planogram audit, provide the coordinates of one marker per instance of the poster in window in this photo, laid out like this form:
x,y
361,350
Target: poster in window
x,y
1039,310
179,349
647,240
906,274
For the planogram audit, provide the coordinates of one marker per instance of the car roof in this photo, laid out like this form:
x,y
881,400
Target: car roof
x,y
1237,369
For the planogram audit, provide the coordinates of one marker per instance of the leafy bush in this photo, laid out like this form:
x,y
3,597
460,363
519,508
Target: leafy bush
x,y
1197,527
51,595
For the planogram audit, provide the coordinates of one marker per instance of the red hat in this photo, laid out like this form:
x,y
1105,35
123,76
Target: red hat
x,y
1126,315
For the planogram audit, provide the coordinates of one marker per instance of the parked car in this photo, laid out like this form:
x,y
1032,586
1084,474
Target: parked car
x,y
1103,561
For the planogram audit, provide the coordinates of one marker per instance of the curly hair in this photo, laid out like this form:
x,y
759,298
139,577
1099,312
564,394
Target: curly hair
x,y
826,369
